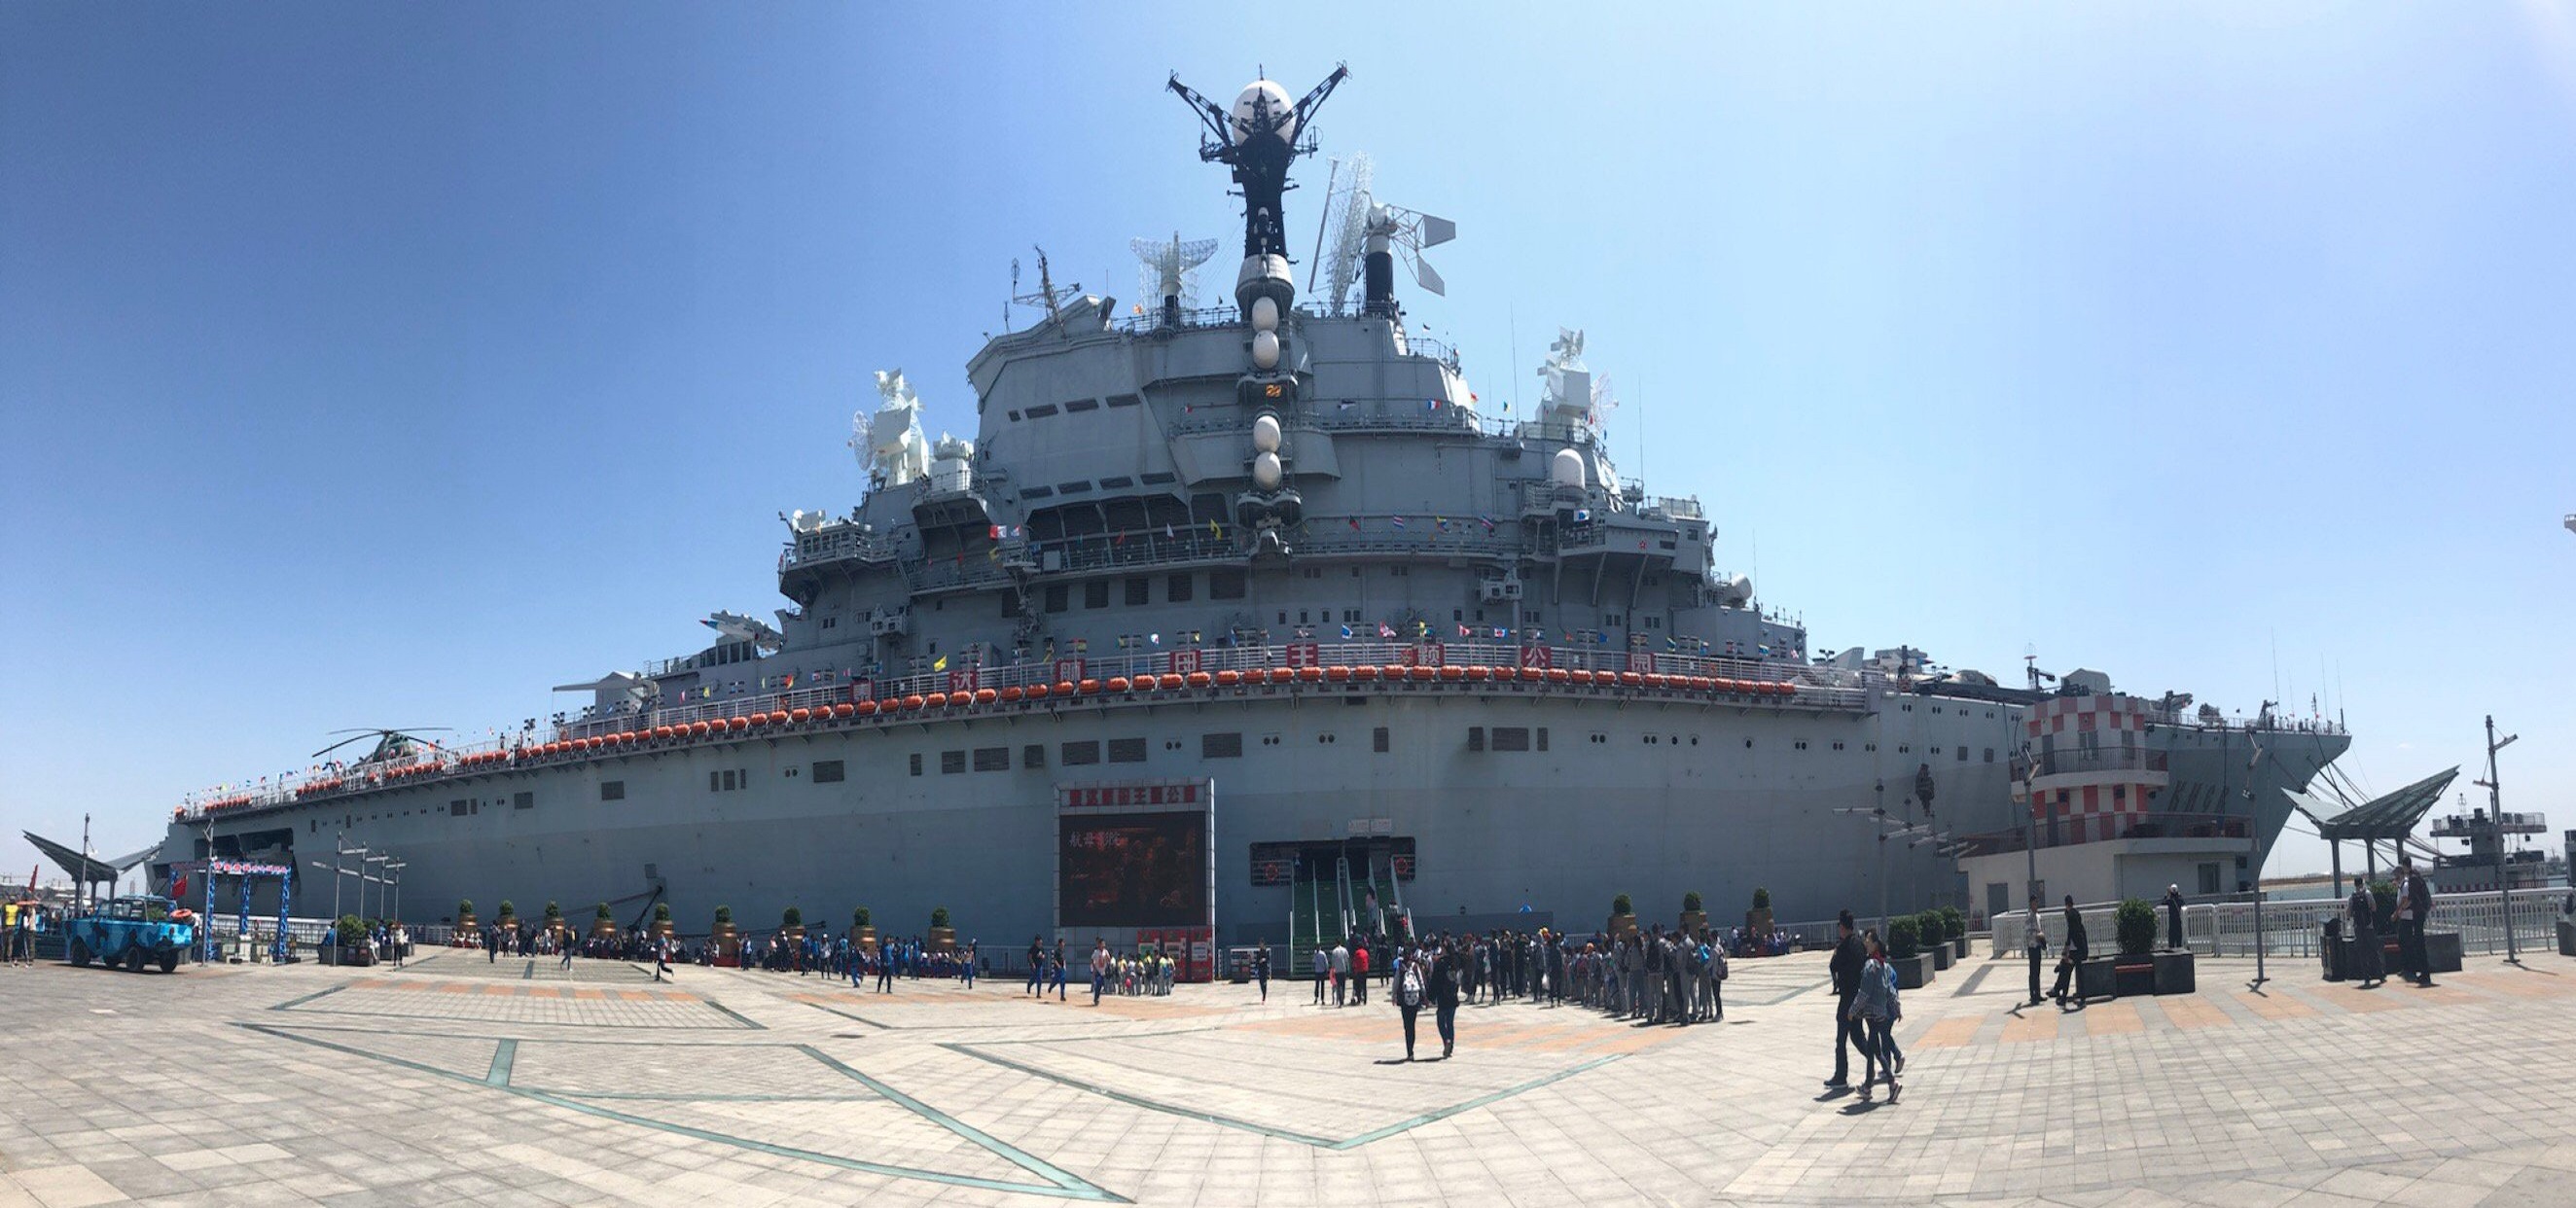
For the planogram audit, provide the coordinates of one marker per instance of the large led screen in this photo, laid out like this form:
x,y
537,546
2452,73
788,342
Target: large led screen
x,y
1133,870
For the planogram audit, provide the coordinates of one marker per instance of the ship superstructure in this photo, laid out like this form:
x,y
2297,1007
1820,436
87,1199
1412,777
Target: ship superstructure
x,y
1279,558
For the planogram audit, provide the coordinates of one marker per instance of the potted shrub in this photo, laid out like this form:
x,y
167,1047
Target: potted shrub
x,y
603,925
354,949
791,922
1623,917
728,945
1935,940
1904,950
1954,926
1757,921
2134,969
942,937
509,914
1694,919
661,920
861,933
464,915
554,918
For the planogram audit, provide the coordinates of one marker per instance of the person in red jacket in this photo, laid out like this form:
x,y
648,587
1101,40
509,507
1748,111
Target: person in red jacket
x,y
1359,973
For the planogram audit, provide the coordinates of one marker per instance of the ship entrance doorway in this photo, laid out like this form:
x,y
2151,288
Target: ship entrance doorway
x,y
1340,890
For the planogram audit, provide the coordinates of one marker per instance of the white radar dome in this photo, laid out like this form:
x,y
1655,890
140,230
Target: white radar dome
x,y
1265,471
1268,97
1265,313
1566,468
1265,348
1265,435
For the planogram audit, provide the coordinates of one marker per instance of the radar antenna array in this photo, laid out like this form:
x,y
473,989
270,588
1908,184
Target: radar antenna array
x,y
1347,208
1167,271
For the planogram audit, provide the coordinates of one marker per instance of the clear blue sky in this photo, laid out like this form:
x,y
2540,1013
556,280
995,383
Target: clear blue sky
x,y
385,364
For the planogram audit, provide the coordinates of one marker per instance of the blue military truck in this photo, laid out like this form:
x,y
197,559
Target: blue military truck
x,y
133,932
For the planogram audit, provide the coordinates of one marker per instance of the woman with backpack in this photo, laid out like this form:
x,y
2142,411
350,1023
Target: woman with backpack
x,y
1411,987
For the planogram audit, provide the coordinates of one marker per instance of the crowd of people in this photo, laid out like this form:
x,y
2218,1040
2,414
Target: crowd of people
x,y
1655,976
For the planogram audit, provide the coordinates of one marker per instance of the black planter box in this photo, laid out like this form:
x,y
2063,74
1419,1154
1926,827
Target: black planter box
x,y
1913,972
2134,976
2174,973
2098,978
2441,950
2566,938
1940,954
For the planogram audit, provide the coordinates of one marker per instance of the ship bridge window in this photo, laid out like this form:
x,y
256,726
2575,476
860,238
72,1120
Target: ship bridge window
x,y
1225,583
1038,493
1041,411
1058,597
1124,400
1176,589
1116,482
1159,478
1095,594
1071,488
1082,404
1140,591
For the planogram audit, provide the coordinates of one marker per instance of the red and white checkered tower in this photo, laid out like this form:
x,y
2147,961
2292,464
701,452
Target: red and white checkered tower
x,y
2093,772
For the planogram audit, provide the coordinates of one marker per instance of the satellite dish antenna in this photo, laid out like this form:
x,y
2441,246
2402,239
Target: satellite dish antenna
x,y
1167,268
1346,210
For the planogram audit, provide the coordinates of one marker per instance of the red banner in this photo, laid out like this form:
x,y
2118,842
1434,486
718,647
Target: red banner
x,y
1184,661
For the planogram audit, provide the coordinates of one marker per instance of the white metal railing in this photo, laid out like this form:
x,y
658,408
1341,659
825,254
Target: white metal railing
x,y
2293,927
1806,687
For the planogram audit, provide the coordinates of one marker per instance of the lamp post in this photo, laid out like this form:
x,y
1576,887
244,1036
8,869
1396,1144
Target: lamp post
x,y
2254,834
394,869
363,878
2495,819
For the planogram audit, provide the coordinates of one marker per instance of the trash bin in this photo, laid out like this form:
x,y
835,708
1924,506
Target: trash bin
x,y
2330,947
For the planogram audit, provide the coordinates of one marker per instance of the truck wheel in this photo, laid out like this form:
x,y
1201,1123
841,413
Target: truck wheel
x,y
169,962
134,960
79,955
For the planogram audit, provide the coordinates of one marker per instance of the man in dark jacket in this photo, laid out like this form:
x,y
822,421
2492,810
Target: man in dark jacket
x,y
1846,969
1444,994
2073,959
2416,905
2173,916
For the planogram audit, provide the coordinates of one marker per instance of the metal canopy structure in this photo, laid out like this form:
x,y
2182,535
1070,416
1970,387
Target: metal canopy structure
x,y
2390,818
88,870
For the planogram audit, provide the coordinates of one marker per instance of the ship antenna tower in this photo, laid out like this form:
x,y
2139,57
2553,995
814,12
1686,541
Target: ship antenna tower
x,y
1258,137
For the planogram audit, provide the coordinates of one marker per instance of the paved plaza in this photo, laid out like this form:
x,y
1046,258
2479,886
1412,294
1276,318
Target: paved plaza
x,y
462,1081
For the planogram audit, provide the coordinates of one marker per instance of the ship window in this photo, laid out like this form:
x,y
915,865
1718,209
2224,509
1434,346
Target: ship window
x,y
1326,739
1511,738
1801,745
1270,740
1126,750
1963,754
523,801
1140,591
1077,486
1990,751
1869,746
612,790
1475,738
2119,792
1159,479
1084,752
827,771
1095,594
1377,740
1037,493
1225,584
1221,746
1041,411
916,763
2209,878
1907,708
952,762
1351,615
1903,748
1058,597
1838,746
1124,400
456,808
1116,482
1015,417
1033,755
1082,404
992,759
1176,589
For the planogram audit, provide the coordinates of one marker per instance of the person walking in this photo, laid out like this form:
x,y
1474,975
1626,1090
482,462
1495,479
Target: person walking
x,y
885,965
1037,965
2416,907
1410,989
1055,969
2173,917
1100,963
1845,968
662,959
1359,975
1261,970
2369,962
1443,989
1876,1008
1341,974
2070,962
1323,972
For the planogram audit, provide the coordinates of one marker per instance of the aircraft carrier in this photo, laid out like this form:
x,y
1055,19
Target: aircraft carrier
x,y
1239,623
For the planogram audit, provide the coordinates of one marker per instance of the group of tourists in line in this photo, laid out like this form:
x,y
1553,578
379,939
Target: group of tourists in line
x,y
1655,976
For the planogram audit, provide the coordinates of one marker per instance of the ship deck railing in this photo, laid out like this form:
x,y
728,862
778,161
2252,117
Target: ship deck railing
x,y
1729,680
2292,928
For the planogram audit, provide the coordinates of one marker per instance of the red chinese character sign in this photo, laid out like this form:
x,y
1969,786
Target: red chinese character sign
x,y
1184,661
1069,670
1535,655
1304,654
